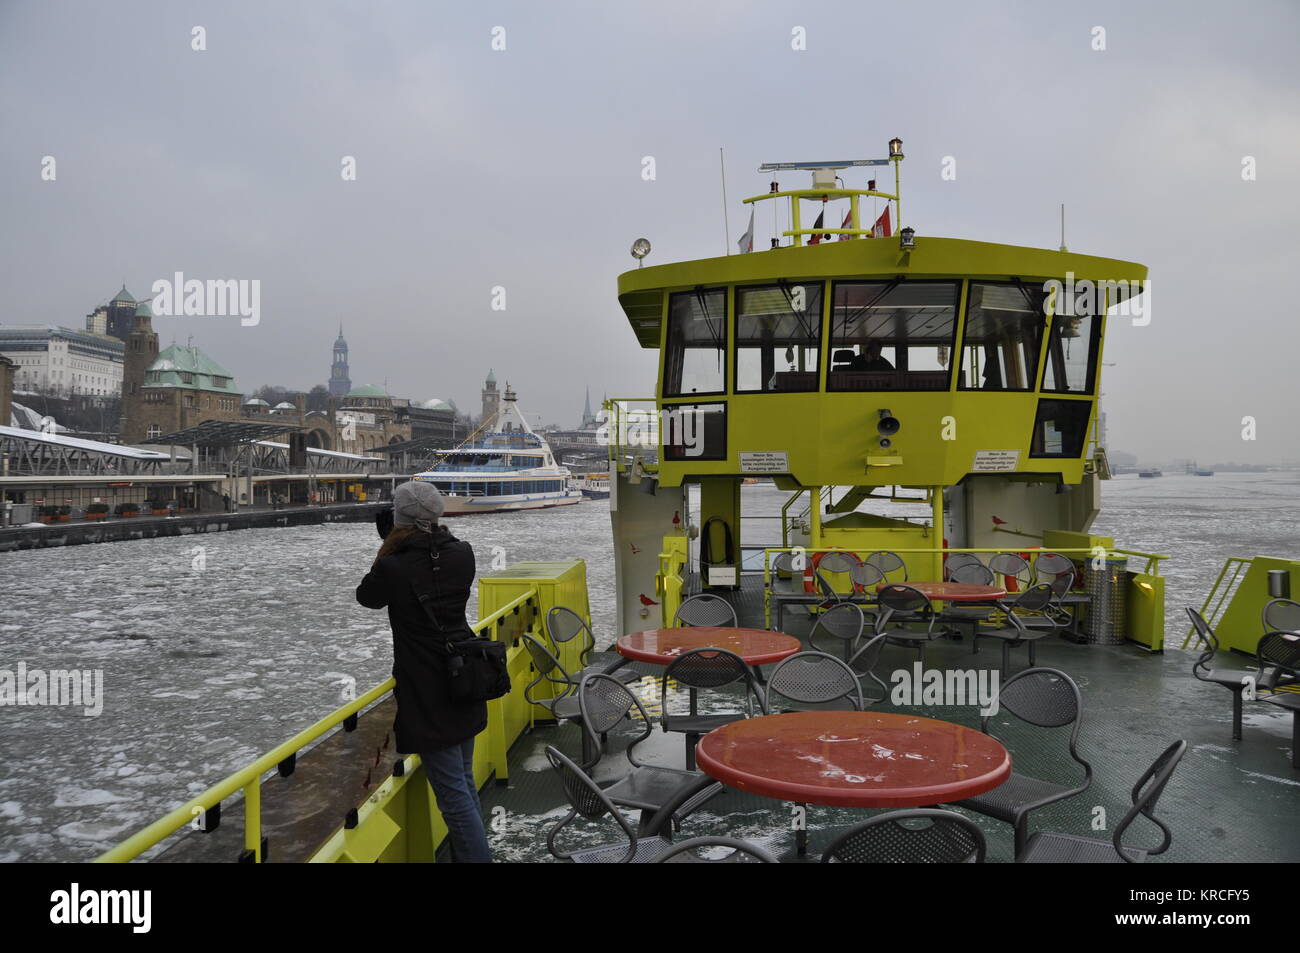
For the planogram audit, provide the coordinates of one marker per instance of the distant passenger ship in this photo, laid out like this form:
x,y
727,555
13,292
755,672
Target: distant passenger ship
x,y
511,468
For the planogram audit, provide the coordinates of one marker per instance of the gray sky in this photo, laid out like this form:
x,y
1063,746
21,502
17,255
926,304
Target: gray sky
x,y
478,168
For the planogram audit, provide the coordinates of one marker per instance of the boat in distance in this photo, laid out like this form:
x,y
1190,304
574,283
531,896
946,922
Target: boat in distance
x,y
510,468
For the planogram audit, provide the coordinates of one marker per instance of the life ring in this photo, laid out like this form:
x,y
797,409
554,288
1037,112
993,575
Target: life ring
x,y
809,572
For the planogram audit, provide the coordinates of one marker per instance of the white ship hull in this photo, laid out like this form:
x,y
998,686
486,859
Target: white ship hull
x,y
466,505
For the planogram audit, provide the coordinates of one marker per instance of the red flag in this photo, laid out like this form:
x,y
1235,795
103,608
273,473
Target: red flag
x,y
881,228
818,237
848,219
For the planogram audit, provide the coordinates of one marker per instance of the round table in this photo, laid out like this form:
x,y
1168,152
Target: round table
x,y
951,591
661,646
854,759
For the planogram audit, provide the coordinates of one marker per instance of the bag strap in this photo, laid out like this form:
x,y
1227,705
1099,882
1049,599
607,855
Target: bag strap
x,y
425,597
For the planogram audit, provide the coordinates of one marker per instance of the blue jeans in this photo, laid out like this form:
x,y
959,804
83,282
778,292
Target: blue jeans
x,y
451,772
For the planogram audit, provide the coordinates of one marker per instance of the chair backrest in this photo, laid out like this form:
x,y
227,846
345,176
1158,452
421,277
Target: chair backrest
x,y
1045,698
900,598
843,621
1047,566
732,851
955,561
833,562
605,703
562,624
887,562
1279,655
866,577
975,573
585,798
865,659
1061,584
783,562
546,663
1281,615
1207,636
1010,564
709,668
916,836
705,609
1145,794
811,678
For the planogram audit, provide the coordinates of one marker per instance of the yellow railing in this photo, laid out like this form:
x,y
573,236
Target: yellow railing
x,y
249,779
1216,600
1152,566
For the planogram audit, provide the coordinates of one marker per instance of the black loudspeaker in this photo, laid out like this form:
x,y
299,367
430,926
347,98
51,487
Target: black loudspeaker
x,y
298,450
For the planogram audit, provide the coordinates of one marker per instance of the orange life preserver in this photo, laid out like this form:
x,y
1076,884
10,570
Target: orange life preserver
x,y
809,579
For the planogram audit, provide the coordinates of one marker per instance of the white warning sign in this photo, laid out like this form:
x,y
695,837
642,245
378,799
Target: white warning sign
x,y
764,461
996,461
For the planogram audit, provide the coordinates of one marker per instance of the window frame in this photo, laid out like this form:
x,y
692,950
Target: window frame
x,y
734,341
1043,325
727,308
891,283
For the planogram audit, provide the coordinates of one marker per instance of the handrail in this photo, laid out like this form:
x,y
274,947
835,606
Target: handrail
x,y
1238,564
249,779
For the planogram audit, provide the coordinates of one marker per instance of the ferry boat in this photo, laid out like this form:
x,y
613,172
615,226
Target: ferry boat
x,y
864,376
594,486
509,468
1149,474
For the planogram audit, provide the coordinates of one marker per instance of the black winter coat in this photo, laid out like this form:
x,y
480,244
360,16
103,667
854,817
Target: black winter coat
x,y
427,718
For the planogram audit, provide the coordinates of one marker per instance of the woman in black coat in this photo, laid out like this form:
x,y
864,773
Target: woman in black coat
x,y
418,555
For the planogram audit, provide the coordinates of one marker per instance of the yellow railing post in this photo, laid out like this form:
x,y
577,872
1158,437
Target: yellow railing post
x,y
253,818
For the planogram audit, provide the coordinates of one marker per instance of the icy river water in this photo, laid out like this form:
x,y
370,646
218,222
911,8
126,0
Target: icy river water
x,y
207,668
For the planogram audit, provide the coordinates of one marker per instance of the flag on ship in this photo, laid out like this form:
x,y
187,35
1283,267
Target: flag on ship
x,y
746,242
818,237
881,228
848,217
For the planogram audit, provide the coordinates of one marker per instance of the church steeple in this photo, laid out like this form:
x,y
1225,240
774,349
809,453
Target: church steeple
x,y
340,383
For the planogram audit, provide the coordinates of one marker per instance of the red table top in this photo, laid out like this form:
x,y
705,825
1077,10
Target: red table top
x,y
661,646
952,591
854,759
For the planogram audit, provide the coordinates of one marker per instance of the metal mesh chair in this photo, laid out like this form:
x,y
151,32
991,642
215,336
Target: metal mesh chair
x,y
865,578
955,561
1234,681
864,663
738,852
844,621
1281,615
1279,664
834,563
918,836
902,605
1013,566
972,573
813,681
1049,848
705,609
587,800
563,625
887,562
708,669
1020,631
1045,698
606,704
563,705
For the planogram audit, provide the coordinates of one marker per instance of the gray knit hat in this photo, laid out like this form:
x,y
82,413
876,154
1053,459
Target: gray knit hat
x,y
415,502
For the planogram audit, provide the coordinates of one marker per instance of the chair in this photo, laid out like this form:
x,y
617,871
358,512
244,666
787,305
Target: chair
x,y
1061,574
814,681
904,605
955,561
916,836
563,705
864,663
834,563
865,579
1279,664
887,562
1018,631
1049,848
705,609
563,625
977,574
844,621
1234,681
1013,566
605,702
588,800
742,852
1281,615
1045,698
706,668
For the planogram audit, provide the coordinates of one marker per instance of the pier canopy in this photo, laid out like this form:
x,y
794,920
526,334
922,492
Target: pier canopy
x,y
787,362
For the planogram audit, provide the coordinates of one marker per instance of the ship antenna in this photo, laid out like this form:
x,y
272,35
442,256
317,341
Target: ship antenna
x,y
1063,248
726,224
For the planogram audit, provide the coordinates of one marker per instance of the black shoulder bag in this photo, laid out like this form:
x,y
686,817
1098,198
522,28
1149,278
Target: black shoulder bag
x,y
476,667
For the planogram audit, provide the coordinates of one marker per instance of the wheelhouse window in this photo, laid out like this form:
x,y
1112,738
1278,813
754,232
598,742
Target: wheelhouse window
x,y
696,359
892,335
694,431
1060,428
778,337
1071,366
1004,329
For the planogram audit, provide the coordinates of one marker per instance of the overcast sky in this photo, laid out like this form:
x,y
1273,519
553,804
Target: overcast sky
x,y
522,169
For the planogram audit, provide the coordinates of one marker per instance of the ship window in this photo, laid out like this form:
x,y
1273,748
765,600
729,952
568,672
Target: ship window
x,y
1072,350
694,432
778,337
1060,428
696,357
892,335
1004,327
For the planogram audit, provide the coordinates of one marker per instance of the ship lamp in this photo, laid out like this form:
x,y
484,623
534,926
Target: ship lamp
x,y
895,148
907,239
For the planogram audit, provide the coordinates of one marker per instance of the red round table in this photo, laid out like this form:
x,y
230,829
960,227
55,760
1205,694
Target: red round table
x,y
854,759
951,591
661,646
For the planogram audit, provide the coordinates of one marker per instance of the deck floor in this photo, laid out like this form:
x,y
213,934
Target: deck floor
x,y
1229,801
